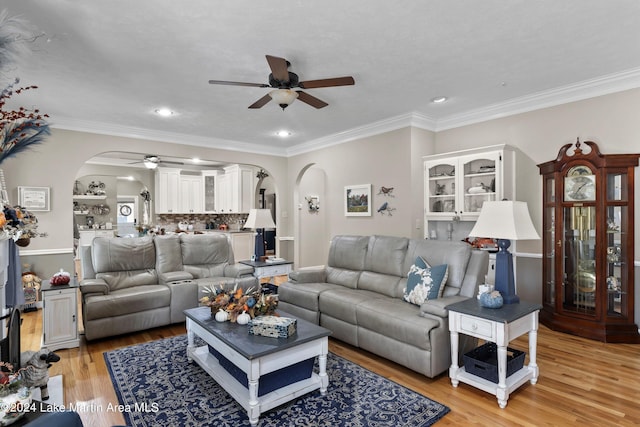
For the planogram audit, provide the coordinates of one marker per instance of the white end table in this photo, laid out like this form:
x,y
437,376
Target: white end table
x,y
262,269
499,326
60,315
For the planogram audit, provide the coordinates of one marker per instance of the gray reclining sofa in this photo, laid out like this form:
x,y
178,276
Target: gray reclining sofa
x,y
358,295
133,284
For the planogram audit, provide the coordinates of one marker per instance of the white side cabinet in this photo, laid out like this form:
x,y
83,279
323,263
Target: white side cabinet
x,y
59,316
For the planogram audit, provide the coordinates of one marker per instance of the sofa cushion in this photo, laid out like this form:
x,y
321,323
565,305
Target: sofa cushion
x,y
386,254
425,282
168,253
341,303
384,284
304,295
124,262
205,255
348,252
125,301
395,318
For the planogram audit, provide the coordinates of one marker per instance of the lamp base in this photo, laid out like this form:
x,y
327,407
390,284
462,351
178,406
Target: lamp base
x,y
504,282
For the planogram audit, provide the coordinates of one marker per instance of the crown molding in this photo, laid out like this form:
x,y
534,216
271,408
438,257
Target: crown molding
x,y
586,89
154,135
376,128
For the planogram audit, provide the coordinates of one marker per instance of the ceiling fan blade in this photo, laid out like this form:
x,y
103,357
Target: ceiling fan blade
x,y
279,68
260,102
311,100
336,81
223,82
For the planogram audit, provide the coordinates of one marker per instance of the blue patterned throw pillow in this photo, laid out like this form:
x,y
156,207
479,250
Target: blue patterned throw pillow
x,y
425,282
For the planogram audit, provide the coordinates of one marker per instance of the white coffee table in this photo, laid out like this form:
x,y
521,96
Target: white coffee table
x,y
255,357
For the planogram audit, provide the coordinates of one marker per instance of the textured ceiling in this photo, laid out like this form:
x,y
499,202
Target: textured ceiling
x,y
107,65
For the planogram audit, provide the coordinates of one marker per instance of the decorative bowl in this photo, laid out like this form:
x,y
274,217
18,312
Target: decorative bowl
x,y
491,299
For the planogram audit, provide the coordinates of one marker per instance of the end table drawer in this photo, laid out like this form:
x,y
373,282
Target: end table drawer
x,y
477,327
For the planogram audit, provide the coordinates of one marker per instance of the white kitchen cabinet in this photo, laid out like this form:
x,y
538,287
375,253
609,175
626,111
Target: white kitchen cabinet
x,y
59,316
235,189
243,245
209,179
191,194
167,182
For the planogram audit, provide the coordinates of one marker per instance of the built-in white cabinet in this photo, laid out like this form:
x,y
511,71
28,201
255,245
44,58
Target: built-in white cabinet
x,y
59,316
87,236
458,183
235,189
167,183
191,194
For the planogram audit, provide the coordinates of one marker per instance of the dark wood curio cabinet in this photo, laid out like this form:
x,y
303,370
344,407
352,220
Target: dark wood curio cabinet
x,y
588,243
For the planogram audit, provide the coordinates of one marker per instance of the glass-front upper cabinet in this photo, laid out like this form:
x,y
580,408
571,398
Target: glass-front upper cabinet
x,y
459,183
588,239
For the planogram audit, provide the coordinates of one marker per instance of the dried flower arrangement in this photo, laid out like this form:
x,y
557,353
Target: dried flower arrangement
x,y
237,301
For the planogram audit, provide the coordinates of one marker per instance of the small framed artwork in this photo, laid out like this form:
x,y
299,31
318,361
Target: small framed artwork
x,y
34,198
357,200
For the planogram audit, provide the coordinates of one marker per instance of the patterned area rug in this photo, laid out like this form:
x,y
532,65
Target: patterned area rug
x,y
161,388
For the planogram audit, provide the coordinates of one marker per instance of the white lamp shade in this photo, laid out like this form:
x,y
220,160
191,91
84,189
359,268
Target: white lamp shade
x,y
283,96
505,220
259,218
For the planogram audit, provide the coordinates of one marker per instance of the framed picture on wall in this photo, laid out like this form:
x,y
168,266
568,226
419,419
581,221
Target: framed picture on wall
x,y
34,198
357,200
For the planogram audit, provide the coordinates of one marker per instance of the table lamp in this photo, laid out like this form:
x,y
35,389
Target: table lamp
x,y
505,221
258,220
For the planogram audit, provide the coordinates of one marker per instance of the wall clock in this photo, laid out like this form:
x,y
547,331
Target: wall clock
x,y
125,210
579,185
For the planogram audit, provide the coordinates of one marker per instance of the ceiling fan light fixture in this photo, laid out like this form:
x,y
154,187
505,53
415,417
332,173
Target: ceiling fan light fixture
x,y
151,162
283,97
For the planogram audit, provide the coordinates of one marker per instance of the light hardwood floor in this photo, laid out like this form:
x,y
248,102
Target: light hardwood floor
x,y
582,382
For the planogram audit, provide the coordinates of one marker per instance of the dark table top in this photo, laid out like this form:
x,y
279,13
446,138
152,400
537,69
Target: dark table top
x,y
506,313
256,264
254,346
46,286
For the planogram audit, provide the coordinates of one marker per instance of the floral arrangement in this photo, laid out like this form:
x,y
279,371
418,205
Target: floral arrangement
x,y
19,224
22,128
10,382
237,301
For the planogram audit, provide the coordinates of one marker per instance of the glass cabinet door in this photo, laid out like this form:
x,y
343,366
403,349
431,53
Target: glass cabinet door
x,y
479,177
617,229
580,284
441,188
549,239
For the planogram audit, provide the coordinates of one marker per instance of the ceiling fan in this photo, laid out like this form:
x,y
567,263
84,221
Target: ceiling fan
x,y
152,162
283,81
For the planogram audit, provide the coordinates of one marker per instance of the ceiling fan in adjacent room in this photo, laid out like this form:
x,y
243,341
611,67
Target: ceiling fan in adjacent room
x,y
283,81
152,162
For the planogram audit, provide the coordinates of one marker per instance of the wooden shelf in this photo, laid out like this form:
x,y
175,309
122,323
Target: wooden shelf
x,y
89,197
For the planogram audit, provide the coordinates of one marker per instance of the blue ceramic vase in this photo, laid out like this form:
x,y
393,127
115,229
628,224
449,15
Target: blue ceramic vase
x,y
491,299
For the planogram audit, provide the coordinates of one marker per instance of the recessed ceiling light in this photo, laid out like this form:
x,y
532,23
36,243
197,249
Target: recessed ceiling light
x,y
283,133
164,112
439,99
195,160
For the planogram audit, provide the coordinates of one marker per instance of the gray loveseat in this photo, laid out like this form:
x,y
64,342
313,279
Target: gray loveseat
x,y
358,295
133,284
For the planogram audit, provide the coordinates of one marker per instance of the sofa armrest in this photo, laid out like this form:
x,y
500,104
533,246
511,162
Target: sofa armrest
x,y
174,276
437,307
308,275
238,270
94,286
